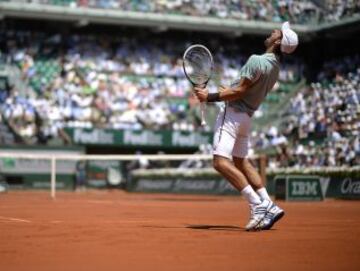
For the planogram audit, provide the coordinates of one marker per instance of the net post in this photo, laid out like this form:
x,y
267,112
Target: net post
x,y
53,176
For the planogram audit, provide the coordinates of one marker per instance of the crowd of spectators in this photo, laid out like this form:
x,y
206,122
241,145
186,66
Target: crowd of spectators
x,y
122,84
301,12
334,10
321,126
329,109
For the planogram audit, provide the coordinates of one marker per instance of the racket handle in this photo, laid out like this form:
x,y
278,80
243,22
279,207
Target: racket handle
x,y
202,109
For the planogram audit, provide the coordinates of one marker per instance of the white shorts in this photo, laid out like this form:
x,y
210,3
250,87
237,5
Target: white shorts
x,y
232,130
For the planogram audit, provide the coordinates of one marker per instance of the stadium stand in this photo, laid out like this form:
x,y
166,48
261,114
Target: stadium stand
x,y
300,12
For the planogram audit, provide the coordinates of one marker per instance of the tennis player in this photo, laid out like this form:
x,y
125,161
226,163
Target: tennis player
x,y
231,139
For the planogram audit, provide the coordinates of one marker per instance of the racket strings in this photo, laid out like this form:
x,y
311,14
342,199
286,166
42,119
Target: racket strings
x,y
198,65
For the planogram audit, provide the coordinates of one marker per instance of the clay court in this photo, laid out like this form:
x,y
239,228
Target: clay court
x,y
112,230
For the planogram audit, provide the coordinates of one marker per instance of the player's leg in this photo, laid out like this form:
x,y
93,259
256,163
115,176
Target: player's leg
x,y
274,213
253,177
258,208
227,169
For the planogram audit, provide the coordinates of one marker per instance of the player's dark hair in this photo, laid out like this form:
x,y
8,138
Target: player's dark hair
x,y
277,50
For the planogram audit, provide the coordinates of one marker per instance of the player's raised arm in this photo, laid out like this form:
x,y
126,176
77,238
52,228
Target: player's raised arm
x,y
225,93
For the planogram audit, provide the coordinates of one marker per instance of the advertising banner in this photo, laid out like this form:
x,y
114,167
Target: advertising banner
x,y
139,138
302,187
285,187
182,185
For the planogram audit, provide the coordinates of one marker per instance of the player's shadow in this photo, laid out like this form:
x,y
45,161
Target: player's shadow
x,y
215,227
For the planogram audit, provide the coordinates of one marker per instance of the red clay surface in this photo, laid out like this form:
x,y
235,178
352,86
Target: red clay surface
x,y
112,230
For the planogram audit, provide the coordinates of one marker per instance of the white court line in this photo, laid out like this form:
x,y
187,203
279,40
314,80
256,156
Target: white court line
x,y
15,219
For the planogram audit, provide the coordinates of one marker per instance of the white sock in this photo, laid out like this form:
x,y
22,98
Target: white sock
x,y
263,194
250,195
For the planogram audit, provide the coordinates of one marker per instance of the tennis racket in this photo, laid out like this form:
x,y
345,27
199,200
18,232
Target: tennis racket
x,y
198,67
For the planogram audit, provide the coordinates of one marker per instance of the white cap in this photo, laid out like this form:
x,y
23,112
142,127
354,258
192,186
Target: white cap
x,y
289,40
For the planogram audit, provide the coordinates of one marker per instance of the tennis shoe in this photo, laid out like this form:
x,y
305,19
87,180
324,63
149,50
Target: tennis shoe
x,y
271,217
257,214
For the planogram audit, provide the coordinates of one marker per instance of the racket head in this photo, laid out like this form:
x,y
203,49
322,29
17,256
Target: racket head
x,y
198,64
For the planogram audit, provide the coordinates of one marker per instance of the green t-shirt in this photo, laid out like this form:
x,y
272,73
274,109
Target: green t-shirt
x,y
263,71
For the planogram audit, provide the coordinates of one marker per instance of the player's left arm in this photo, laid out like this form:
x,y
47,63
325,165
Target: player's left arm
x,y
225,93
